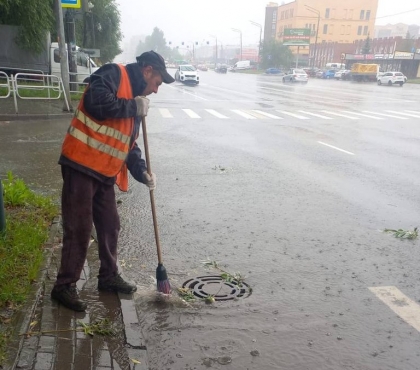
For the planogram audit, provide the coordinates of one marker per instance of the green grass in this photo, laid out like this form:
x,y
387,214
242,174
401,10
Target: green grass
x,y
36,90
28,219
413,81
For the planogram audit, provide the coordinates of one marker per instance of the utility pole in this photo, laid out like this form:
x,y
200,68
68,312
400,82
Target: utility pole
x,y
316,11
64,66
259,45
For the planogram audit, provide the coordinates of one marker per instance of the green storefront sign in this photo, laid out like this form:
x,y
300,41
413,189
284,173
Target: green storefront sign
x,y
296,36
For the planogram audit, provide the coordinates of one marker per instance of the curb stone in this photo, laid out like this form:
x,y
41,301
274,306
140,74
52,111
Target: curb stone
x,y
70,349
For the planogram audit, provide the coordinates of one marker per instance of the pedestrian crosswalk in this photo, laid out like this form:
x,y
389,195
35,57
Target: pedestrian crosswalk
x,y
279,114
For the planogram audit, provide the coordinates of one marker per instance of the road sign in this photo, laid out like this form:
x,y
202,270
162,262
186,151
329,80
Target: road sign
x,y
93,53
71,4
296,36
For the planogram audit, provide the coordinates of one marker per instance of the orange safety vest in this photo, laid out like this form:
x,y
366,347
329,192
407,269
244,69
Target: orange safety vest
x,y
102,146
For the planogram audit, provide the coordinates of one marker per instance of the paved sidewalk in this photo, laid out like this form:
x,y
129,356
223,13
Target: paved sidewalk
x,y
55,344
32,109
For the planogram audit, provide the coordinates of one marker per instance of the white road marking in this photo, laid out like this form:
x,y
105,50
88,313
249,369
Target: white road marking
x,y
404,307
315,115
363,115
243,114
191,113
217,114
334,147
412,111
266,114
404,114
292,114
340,115
385,115
164,112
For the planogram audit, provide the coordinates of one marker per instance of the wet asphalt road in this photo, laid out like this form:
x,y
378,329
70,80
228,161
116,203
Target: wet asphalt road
x,y
269,181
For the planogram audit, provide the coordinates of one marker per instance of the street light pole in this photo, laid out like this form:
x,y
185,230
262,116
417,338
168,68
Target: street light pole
x,y
215,62
259,45
316,11
240,33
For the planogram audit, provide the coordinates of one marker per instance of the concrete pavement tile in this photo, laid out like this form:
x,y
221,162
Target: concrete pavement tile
x,y
47,344
83,362
104,359
44,361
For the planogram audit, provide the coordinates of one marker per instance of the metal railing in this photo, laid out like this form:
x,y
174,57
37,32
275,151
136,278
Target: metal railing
x,y
33,85
5,84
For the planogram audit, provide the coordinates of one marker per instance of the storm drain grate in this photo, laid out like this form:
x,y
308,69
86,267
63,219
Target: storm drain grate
x,y
214,285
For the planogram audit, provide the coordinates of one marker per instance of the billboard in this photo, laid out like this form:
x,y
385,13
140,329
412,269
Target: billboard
x,y
296,36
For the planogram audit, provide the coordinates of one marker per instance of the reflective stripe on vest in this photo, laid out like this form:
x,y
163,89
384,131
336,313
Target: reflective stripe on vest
x,y
102,146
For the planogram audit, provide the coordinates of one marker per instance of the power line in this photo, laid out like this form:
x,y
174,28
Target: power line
x,y
391,15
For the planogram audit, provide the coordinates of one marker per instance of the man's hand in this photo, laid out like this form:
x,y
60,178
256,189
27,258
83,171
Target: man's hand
x,y
150,181
142,105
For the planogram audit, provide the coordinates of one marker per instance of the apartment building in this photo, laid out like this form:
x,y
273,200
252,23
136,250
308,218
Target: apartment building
x,y
330,21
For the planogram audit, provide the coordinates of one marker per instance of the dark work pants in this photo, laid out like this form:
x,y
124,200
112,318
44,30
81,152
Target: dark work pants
x,y
84,201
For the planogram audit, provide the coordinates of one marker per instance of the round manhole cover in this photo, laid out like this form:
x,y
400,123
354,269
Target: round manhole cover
x,y
217,287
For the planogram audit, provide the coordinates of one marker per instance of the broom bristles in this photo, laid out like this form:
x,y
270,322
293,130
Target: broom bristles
x,y
163,285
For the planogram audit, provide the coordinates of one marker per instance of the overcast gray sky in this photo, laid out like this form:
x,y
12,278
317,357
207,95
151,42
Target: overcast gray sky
x,y
195,20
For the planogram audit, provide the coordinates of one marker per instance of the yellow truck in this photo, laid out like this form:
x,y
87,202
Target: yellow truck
x,y
364,72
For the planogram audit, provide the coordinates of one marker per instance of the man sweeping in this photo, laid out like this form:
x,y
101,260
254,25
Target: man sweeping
x,y
98,151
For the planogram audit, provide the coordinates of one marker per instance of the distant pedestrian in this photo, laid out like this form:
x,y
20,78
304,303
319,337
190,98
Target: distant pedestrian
x,y
98,151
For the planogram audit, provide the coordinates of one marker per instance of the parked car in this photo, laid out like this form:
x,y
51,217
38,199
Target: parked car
x,y
187,73
311,72
296,75
391,78
202,67
221,68
328,74
273,71
339,74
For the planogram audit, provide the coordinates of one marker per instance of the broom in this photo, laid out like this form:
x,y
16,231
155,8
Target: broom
x,y
163,285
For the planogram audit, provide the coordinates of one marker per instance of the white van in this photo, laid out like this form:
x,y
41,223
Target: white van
x,y
335,66
243,64
85,65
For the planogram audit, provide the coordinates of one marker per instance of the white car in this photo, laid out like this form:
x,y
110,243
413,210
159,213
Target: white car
x,y
187,73
391,78
296,75
338,75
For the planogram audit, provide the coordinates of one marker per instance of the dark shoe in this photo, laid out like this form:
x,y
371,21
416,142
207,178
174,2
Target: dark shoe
x,y
69,298
116,284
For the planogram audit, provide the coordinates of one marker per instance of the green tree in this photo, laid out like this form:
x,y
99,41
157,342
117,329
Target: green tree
x,y
157,42
33,17
367,45
100,29
275,54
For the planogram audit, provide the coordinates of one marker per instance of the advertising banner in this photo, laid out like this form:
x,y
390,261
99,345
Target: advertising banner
x,y
296,36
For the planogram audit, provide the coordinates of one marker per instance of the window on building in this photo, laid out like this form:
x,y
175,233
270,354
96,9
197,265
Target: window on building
x,y
331,28
343,29
274,17
359,30
362,14
365,30
291,13
273,26
327,13
282,15
344,13
367,15
350,14
325,30
333,13
348,30
313,26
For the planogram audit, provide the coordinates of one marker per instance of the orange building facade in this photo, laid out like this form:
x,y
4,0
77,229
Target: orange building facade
x,y
330,21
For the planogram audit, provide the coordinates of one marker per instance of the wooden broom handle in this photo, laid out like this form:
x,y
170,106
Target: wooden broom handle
x,y
152,198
